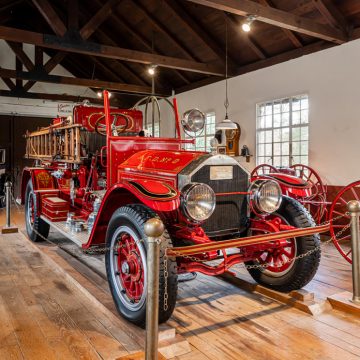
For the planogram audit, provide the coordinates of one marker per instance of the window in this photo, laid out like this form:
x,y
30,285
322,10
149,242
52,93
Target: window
x,y
282,131
202,141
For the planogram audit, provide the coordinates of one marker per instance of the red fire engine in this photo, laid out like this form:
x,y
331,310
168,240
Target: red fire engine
x,y
99,177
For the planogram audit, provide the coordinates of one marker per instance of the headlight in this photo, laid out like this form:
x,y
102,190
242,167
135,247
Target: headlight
x,y
193,120
265,196
198,201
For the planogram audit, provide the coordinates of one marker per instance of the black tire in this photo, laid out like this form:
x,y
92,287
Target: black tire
x,y
134,217
39,229
302,270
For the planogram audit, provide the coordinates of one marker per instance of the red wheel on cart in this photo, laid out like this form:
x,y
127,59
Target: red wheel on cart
x,y
339,218
263,169
315,202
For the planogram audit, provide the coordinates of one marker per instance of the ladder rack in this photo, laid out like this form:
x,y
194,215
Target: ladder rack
x,y
60,142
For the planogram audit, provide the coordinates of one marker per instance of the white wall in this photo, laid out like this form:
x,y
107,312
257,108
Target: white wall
x,y
331,78
34,107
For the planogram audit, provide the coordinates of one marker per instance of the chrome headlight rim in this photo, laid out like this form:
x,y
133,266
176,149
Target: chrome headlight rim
x,y
185,193
255,196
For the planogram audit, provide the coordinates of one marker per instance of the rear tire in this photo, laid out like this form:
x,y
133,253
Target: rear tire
x,y
37,229
302,270
126,271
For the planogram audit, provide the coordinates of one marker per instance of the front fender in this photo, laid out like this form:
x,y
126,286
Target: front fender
x,y
155,194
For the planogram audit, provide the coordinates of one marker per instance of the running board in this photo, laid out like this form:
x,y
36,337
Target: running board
x,y
79,238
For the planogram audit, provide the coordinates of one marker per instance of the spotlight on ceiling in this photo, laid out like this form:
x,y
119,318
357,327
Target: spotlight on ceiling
x,y
99,94
246,25
151,70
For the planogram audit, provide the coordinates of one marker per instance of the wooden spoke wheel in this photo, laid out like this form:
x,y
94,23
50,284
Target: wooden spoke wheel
x,y
263,169
339,218
315,202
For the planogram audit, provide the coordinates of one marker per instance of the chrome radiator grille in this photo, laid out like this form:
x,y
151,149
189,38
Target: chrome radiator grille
x,y
230,214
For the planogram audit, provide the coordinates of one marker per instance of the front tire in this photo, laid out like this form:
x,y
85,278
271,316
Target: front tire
x,y
36,228
300,272
126,265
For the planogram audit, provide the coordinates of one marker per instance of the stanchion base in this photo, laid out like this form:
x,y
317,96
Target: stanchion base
x,y
343,301
9,230
137,356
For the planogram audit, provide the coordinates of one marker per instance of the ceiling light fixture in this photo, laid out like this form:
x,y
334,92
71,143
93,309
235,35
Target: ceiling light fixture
x,y
151,70
246,26
100,94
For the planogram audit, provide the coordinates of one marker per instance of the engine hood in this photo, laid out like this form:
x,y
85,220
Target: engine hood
x,y
160,161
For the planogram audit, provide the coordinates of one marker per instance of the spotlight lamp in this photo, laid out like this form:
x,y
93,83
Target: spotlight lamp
x,y
100,94
151,70
246,25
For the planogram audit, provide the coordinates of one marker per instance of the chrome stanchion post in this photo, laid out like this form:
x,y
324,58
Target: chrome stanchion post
x,y
354,209
8,228
154,229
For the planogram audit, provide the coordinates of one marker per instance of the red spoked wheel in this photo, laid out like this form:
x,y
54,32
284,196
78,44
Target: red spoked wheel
x,y
339,219
263,169
130,263
315,202
129,267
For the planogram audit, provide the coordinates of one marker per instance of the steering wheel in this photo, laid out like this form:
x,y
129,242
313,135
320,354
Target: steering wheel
x,y
115,129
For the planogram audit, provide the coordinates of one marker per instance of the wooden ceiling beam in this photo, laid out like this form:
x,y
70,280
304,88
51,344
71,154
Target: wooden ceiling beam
x,y
249,40
51,17
21,55
66,80
277,17
161,28
47,96
105,11
331,14
140,38
111,52
289,34
197,30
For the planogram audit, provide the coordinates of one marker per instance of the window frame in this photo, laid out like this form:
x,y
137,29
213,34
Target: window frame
x,y
290,157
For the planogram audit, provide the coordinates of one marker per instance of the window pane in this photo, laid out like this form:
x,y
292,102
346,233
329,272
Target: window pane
x,y
296,104
268,121
268,136
285,105
285,119
268,110
277,120
296,160
296,148
304,116
261,122
277,107
277,135
304,103
285,161
304,133
277,161
261,137
285,134
261,150
268,149
305,160
296,134
304,148
296,118
277,149
285,148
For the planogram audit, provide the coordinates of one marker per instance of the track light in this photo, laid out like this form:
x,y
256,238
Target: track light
x,y
246,25
151,70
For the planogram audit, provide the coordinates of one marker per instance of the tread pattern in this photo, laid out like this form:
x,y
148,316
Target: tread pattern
x,y
304,269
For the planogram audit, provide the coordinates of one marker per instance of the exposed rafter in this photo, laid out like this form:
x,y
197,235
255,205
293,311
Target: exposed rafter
x,y
20,54
55,79
51,17
197,30
290,35
277,17
111,52
331,14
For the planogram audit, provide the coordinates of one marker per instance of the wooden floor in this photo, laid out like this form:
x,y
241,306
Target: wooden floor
x,y
42,317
